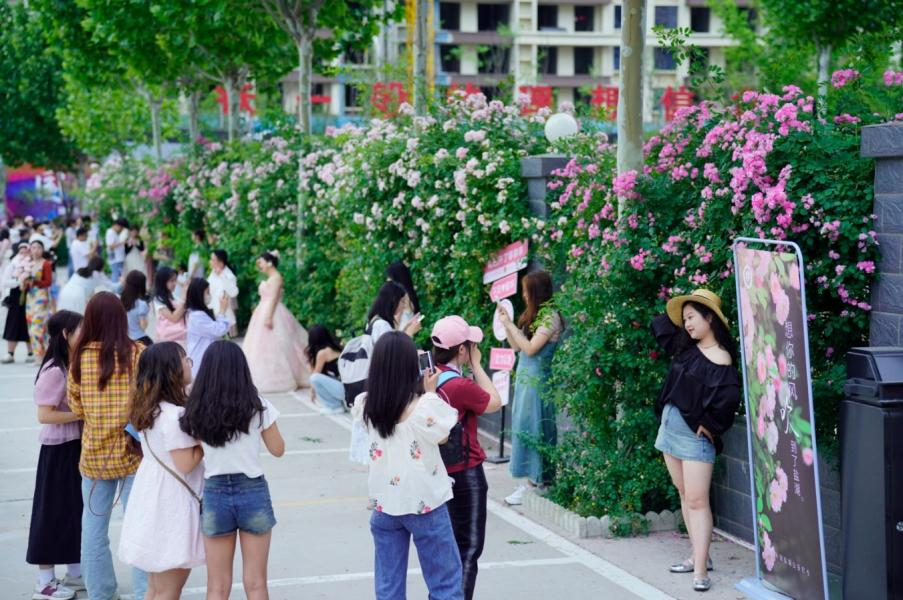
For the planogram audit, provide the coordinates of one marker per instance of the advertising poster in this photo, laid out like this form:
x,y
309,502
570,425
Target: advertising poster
x,y
510,259
34,192
778,391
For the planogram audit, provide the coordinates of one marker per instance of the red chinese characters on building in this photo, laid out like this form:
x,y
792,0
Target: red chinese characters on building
x,y
244,99
469,89
606,97
673,100
387,97
539,96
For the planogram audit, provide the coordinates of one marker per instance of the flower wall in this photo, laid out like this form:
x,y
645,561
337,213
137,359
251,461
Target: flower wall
x,y
764,166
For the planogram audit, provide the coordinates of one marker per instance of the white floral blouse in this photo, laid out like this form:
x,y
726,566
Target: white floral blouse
x,y
407,475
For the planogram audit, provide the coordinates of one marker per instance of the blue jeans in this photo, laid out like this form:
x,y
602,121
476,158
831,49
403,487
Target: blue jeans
x,y
436,549
116,271
97,561
330,391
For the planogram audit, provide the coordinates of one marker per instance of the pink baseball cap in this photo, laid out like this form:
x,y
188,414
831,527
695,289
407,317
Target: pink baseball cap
x,y
448,332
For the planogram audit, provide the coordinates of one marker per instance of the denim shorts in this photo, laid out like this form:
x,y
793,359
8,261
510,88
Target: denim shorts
x,y
236,502
677,439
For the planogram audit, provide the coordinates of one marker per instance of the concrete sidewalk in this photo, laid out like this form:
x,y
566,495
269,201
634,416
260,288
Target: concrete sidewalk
x,y
322,546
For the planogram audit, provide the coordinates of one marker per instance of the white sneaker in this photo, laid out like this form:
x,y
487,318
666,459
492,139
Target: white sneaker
x,y
76,584
52,591
517,497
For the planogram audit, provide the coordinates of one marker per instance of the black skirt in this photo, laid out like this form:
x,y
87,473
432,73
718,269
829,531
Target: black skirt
x,y
16,327
56,511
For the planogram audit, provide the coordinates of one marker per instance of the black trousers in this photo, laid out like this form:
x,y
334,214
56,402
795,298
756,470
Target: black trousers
x,y
468,518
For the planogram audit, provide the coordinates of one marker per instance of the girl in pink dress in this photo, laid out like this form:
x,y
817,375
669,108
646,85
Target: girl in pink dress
x,y
274,343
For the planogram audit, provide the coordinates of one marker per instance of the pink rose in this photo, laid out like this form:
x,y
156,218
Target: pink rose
x,y
760,424
761,368
782,308
781,477
794,273
808,457
782,365
774,285
768,402
771,437
776,496
769,554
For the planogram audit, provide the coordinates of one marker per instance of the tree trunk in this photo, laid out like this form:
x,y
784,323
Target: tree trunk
x,y
155,104
233,84
824,66
421,51
194,127
305,68
630,96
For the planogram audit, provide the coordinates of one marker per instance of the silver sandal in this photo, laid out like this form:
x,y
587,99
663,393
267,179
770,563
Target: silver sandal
x,y
687,566
702,585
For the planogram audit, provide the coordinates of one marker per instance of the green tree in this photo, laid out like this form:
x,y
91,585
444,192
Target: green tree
x,y
30,93
351,23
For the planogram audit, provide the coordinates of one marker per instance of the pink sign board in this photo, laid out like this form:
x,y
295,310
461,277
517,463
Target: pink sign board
x,y
504,287
510,259
501,359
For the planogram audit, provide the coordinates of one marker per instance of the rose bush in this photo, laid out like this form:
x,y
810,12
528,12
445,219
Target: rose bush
x,y
763,167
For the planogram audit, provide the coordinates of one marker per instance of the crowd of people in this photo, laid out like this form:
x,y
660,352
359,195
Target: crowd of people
x,y
169,422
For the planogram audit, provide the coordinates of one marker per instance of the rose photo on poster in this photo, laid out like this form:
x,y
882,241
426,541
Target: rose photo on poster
x,y
779,412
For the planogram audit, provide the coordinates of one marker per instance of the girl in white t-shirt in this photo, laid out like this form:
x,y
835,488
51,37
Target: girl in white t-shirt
x,y
229,418
408,483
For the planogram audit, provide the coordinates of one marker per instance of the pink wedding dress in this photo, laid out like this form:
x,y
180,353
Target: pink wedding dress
x,y
276,356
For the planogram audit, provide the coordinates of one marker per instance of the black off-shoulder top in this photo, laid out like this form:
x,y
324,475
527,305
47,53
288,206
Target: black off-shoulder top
x,y
706,393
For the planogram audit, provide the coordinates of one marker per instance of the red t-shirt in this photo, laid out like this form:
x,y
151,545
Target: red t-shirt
x,y
466,396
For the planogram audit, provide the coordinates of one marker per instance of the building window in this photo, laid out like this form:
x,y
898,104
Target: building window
x,y
666,16
449,16
493,60
584,17
450,58
356,56
618,16
617,58
548,60
583,60
700,17
491,16
352,97
548,16
663,60
751,16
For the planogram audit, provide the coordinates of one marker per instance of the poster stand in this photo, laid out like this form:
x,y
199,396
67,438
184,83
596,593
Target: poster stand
x,y
757,588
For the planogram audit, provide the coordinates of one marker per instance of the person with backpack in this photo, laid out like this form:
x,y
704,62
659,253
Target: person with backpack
x,y
455,345
408,486
385,316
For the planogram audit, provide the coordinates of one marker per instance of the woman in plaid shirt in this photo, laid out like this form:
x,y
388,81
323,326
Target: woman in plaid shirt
x,y
104,364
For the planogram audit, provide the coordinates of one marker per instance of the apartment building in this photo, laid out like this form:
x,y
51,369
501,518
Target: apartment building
x,y
557,50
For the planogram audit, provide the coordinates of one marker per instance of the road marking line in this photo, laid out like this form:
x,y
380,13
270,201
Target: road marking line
x,y
38,428
317,579
597,564
19,375
14,429
22,470
342,420
318,501
15,400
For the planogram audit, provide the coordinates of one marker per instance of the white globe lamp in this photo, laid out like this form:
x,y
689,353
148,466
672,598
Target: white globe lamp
x,y
560,125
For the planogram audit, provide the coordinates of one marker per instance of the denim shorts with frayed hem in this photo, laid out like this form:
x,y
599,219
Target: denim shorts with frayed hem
x,y
236,502
676,438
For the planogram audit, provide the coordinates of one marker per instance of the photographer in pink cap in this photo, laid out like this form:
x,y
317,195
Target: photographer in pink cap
x,y
455,345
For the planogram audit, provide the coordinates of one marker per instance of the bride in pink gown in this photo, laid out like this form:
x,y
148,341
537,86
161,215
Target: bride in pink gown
x,y
274,342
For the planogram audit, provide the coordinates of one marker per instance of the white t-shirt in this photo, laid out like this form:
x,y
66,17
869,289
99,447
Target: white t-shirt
x,y
79,251
241,455
379,327
116,255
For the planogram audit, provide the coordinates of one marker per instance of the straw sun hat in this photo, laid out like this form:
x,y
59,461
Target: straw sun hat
x,y
675,306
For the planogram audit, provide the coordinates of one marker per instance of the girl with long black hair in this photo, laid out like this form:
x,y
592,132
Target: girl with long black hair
x,y
323,352
697,405
231,420
203,326
408,484
170,314
386,312
134,300
54,537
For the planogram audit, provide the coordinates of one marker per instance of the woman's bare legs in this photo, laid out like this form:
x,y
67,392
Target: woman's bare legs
x,y
220,552
255,553
697,478
166,585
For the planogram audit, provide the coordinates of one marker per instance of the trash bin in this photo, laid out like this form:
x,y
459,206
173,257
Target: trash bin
x,y
871,439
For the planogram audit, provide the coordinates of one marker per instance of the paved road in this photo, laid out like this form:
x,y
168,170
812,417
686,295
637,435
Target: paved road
x,y
321,546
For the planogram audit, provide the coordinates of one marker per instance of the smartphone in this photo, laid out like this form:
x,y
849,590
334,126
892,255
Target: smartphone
x,y
426,361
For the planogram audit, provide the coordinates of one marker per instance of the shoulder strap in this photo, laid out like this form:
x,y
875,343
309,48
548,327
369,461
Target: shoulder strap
x,y
178,477
445,377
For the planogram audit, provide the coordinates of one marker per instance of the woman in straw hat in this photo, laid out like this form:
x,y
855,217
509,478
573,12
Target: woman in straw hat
x,y
696,405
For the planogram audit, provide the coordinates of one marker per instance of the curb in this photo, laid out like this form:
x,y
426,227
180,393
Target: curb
x,y
547,512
